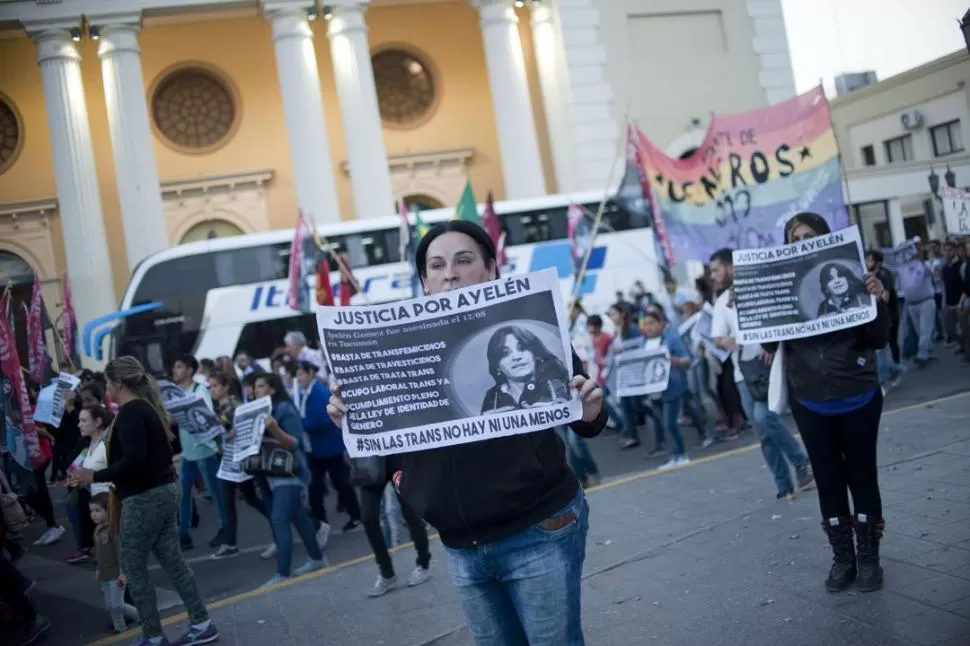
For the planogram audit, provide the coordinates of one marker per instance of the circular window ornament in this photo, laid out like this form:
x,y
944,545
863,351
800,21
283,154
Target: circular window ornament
x,y
406,92
194,109
11,134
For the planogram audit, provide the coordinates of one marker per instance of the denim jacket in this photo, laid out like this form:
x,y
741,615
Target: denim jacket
x,y
288,418
677,383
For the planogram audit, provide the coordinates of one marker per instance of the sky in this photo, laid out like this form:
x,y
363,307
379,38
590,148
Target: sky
x,y
829,37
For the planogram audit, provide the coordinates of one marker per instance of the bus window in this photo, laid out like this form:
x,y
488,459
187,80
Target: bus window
x,y
252,264
529,227
364,249
261,338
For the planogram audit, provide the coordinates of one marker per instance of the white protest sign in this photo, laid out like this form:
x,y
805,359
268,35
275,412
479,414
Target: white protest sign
x,y
230,469
698,327
249,423
899,256
642,371
193,415
484,361
956,210
44,408
803,289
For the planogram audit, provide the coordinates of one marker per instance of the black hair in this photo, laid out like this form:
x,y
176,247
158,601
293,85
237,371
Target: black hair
x,y
876,255
547,365
813,221
188,361
470,229
725,256
222,377
208,363
307,367
100,413
96,391
291,367
627,318
856,286
275,384
249,379
595,320
101,500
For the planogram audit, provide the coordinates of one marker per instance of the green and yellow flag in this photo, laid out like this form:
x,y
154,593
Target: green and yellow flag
x,y
466,209
420,225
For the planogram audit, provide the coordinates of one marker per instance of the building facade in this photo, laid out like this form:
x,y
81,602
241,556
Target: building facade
x,y
126,127
894,135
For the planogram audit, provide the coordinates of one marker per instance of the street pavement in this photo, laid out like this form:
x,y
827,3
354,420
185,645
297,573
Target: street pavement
x,y
703,554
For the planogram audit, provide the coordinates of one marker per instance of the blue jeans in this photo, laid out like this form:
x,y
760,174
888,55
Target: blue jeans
x,y
670,409
524,590
208,467
631,407
923,319
577,452
289,507
392,517
777,441
888,369
910,338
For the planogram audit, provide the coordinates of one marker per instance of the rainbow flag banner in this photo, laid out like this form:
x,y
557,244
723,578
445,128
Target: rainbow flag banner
x,y
753,172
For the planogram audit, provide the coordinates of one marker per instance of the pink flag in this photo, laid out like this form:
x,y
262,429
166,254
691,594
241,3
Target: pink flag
x,y
37,451
36,352
297,290
493,226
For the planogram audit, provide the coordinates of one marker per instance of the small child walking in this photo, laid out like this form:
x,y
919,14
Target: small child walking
x,y
109,573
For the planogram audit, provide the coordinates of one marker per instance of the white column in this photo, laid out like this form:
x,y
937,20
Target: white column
x,y
131,142
557,99
79,201
897,231
306,128
517,142
370,179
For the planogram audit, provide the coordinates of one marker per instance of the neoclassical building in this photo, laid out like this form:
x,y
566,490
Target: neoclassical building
x,y
129,126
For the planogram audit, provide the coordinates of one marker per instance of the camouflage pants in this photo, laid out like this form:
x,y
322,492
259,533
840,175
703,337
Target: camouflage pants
x,y
148,526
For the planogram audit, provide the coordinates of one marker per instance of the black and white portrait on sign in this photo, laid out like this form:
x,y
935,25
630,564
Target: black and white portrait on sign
x,y
642,371
170,392
525,372
839,288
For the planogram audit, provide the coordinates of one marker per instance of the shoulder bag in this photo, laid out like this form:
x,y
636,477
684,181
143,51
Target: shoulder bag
x,y
14,517
273,460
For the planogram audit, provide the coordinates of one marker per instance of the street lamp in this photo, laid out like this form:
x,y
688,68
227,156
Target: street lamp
x,y
949,177
965,28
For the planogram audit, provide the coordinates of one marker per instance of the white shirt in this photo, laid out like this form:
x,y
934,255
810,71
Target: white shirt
x,y
724,323
96,460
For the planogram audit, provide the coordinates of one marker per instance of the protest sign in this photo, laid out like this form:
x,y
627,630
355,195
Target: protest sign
x,y
249,422
193,415
899,256
697,330
169,391
230,469
803,289
956,211
472,364
642,371
44,408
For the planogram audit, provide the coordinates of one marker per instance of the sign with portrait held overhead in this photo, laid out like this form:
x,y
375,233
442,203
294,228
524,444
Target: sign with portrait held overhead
x,y
751,174
472,364
956,210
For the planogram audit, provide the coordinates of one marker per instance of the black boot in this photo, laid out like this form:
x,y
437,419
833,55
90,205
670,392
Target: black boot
x,y
868,533
843,570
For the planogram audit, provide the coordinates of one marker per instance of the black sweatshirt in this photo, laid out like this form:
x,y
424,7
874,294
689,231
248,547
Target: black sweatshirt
x,y
140,457
486,490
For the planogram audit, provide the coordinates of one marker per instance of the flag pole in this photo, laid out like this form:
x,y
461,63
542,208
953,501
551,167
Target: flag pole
x,y
601,209
320,241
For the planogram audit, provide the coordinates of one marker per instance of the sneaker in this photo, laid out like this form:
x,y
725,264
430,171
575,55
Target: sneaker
x,y
51,536
351,525
34,631
275,580
78,556
681,460
629,443
218,539
593,480
269,552
382,586
310,566
708,441
785,495
186,543
804,476
225,552
418,576
669,464
323,535
145,641
195,636
656,453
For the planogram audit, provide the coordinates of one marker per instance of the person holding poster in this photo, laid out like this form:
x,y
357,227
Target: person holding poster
x,y
509,511
835,398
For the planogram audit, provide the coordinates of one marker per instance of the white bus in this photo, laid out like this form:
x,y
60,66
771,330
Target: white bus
x,y
224,295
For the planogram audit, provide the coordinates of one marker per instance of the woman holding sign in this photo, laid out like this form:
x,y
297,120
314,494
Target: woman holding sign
x,y
834,394
840,289
510,512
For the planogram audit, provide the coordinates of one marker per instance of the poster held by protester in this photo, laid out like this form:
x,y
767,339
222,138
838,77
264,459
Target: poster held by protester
x,y
249,422
900,256
642,371
484,361
956,211
697,330
52,399
169,391
802,289
230,469
193,415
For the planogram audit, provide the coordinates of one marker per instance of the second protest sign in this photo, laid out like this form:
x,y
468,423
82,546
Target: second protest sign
x,y
472,364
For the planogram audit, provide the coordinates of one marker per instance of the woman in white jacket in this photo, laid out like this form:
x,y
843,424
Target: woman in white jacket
x,y
93,422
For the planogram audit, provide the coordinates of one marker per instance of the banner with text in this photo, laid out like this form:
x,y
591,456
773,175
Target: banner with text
x,y
802,289
479,362
697,331
751,174
956,211
642,371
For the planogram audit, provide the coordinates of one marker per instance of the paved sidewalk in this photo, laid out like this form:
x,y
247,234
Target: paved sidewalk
x,y
700,555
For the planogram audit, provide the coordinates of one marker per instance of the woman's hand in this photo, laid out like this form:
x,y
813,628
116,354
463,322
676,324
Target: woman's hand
x,y
589,393
80,477
272,425
873,285
336,408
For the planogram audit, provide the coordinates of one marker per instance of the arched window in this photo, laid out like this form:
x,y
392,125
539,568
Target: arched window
x,y
421,202
209,229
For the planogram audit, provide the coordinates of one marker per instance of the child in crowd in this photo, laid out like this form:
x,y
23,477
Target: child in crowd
x,y
109,573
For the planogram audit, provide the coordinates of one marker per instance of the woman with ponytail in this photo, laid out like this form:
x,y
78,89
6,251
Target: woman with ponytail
x,y
140,468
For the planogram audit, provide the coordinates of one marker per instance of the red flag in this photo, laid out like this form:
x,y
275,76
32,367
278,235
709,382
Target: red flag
x,y
633,157
297,291
39,452
324,288
35,335
69,318
347,282
493,226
